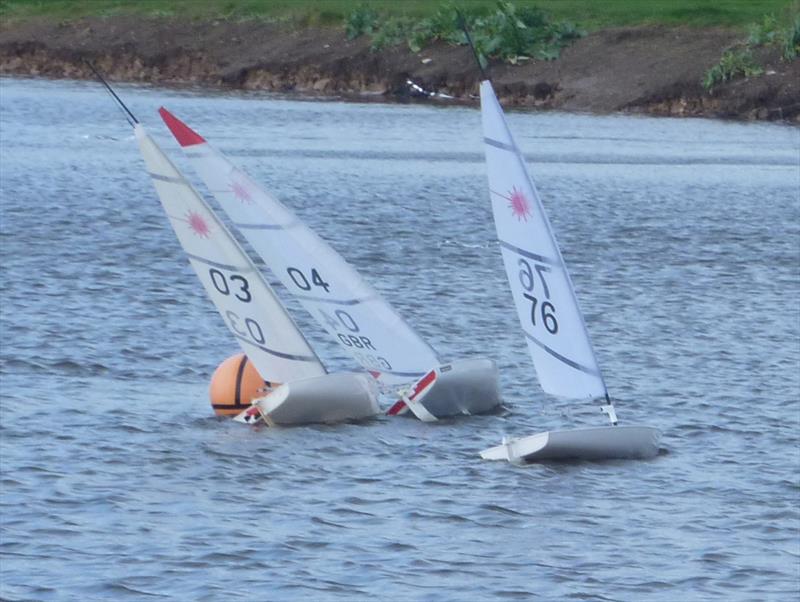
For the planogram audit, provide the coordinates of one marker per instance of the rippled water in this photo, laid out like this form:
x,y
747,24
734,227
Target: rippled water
x,y
683,238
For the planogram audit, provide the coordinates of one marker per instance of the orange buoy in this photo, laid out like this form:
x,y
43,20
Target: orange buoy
x,y
234,384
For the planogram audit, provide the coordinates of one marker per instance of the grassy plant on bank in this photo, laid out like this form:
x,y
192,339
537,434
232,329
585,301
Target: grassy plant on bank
x,y
590,14
362,20
767,32
791,41
512,34
763,33
505,32
393,31
732,64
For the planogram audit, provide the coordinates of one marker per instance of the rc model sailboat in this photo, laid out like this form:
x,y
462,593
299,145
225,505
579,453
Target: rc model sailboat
x,y
250,309
548,310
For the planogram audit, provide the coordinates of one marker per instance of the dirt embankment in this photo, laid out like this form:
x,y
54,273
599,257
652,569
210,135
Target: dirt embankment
x,y
655,70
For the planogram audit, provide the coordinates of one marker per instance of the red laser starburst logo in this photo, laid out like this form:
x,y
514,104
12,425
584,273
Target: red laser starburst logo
x,y
520,207
241,192
198,224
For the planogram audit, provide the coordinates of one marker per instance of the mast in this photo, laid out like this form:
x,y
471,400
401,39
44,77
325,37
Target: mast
x,y
463,23
129,116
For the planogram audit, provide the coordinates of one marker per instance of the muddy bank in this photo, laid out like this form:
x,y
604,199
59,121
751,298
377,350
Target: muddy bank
x,y
654,70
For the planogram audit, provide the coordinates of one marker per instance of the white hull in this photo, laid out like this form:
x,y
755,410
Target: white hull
x,y
603,443
330,398
464,387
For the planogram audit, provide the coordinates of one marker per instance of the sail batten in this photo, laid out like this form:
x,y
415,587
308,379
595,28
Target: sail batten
x,y
406,375
224,266
561,358
522,252
502,145
343,302
266,226
280,354
170,179
547,307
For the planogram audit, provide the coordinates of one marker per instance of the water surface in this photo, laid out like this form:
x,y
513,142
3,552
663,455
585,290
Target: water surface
x,y
683,240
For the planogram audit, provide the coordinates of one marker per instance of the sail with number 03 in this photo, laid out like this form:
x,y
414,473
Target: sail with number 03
x,y
252,313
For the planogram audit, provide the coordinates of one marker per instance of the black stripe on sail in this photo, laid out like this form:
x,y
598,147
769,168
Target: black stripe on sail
x,y
224,266
265,226
170,179
561,358
335,301
408,374
280,354
528,254
501,145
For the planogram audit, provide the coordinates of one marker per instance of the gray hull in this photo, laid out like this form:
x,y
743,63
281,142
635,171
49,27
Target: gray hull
x,y
464,387
329,398
603,443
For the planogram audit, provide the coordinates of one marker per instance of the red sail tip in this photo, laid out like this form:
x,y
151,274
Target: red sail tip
x,y
185,135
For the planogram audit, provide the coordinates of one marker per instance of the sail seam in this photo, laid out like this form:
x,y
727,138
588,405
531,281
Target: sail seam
x,y
264,226
501,145
286,356
409,374
224,266
170,179
336,301
561,358
528,254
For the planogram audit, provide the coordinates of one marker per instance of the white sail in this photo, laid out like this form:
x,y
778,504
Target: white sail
x,y
246,302
546,304
350,310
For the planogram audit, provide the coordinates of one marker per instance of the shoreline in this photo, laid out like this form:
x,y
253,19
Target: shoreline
x,y
652,70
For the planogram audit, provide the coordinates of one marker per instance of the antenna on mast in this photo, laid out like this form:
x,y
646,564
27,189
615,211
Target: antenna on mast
x,y
125,110
462,22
